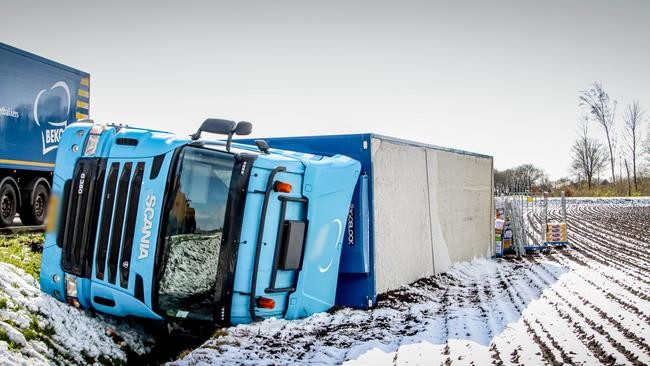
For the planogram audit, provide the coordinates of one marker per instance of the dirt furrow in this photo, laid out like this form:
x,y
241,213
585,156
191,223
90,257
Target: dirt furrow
x,y
606,260
517,307
630,335
587,239
591,343
625,255
547,353
609,296
573,256
627,305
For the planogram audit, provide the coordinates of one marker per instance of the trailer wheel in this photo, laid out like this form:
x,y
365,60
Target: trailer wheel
x,y
34,207
8,203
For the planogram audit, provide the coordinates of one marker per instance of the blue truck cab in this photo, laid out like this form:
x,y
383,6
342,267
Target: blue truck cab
x,y
149,224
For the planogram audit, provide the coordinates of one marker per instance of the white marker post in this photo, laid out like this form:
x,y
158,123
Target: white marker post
x,y
563,206
545,217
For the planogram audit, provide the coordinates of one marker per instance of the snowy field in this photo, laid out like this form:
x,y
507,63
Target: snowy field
x,y
35,329
586,305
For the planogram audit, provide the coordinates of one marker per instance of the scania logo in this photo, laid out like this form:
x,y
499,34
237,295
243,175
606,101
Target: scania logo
x,y
148,215
82,178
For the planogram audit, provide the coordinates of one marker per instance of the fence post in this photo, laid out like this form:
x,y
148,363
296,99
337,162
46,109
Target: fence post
x,y
563,207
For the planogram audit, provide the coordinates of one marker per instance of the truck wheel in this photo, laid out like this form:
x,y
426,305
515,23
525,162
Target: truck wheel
x,y
8,203
32,211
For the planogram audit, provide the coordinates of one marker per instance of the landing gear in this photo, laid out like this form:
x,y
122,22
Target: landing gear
x,y
34,206
8,202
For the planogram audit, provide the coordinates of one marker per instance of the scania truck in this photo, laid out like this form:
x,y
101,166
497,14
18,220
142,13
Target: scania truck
x,y
148,224
38,99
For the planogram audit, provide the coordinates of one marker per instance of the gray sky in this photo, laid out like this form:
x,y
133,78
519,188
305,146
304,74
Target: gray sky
x,y
495,77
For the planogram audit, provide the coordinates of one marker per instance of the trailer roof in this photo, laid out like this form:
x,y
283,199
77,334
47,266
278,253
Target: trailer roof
x,y
430,146
385,138
42,59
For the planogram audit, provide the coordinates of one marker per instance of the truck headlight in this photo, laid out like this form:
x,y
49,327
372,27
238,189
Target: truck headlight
x,y
70,286
91,145
93,140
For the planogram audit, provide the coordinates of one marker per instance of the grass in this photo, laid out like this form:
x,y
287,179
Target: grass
x,y
18,250
4,337
35,331
619,189
21,250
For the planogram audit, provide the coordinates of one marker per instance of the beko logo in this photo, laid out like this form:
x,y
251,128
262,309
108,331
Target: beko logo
x,y
82,178
150,202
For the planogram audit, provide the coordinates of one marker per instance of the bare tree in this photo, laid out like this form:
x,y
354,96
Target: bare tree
x,y
629,185
646,146
589,156
602,111
633,118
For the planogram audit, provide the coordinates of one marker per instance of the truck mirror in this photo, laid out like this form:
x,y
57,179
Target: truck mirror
x,y
243,128
262,145
214,125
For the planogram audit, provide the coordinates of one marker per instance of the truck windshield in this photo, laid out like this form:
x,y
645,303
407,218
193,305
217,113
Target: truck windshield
x,y
198,197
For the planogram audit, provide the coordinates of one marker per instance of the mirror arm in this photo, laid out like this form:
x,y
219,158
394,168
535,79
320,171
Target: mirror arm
x,y
229,141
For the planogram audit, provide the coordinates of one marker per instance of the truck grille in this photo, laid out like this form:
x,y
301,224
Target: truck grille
x,y
81,212
112,227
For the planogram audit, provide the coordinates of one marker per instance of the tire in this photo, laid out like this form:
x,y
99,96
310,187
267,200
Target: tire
x,y
34,208
8,203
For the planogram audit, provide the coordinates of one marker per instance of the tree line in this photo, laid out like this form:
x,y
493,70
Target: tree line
x,y
605,142
624,142
523,178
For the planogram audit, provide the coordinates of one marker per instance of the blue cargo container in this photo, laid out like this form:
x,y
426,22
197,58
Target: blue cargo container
x,y
38,99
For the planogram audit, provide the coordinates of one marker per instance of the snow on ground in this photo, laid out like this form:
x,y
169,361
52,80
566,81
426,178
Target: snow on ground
x,y
35,329
586,305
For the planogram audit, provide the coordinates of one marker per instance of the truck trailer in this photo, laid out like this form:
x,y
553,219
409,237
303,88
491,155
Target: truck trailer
x,y
149,224
417,209
38,99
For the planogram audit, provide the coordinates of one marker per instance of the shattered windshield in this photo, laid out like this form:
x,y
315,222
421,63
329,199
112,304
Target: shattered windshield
x,y
195,224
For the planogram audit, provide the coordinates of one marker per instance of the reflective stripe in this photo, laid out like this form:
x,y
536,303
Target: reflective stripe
x,y
23,162
81,104
85,81
80,116
83,93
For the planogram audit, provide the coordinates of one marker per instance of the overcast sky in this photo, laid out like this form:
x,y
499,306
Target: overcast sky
x,y
495,77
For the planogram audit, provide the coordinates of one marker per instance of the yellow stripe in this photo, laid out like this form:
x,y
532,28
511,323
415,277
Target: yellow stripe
x,y
22,162
85,81
81,104
83,93
81,116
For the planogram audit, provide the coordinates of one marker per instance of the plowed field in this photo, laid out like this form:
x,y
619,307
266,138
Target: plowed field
x,y
584,305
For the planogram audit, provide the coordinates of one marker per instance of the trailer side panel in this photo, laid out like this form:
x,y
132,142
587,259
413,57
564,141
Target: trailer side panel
x,y
403,250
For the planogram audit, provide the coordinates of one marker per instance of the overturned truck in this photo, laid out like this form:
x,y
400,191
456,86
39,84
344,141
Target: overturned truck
x,y
149,224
